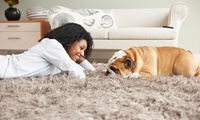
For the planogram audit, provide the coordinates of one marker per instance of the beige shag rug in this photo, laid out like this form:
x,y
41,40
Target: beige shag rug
x,y
99,97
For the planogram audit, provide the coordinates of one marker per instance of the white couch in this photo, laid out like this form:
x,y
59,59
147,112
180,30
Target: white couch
x,y
131,27
138,27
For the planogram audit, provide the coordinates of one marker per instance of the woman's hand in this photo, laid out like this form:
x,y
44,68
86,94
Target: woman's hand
x,y
81,59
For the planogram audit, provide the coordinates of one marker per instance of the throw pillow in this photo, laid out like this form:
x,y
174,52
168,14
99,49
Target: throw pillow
x,y
88,18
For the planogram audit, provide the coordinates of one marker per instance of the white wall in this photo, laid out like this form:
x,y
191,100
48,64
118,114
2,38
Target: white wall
x,y
189,33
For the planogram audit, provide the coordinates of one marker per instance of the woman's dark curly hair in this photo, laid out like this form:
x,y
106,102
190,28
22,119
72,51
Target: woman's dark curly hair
x,y
69,33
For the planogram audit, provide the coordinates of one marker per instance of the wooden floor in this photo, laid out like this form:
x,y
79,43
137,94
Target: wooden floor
x,y
101,55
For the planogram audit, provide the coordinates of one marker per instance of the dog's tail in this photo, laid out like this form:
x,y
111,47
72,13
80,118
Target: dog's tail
x,y
198,72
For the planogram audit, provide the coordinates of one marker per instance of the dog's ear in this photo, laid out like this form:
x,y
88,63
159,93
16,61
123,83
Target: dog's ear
x,y
128,63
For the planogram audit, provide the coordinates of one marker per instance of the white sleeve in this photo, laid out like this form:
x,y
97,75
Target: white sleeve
x,y
86,65
54,53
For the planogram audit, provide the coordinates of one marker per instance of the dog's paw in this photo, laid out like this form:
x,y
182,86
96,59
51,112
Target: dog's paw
x,y
135,75
132,75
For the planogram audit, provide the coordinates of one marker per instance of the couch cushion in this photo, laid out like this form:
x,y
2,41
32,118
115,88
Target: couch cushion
x,y
88,18
98,33
143,34
147,17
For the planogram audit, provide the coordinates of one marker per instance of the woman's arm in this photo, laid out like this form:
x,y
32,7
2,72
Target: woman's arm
x,y
53,52
85,64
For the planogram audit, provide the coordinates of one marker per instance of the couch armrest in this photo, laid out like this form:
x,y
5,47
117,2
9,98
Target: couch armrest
x,y
178,14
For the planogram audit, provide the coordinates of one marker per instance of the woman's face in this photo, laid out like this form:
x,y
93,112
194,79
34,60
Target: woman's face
x,y
77,50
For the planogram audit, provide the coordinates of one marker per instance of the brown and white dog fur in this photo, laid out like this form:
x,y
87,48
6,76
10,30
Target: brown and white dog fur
x,y
149,61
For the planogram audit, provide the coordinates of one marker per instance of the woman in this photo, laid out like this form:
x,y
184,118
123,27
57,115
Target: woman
x,y
65,48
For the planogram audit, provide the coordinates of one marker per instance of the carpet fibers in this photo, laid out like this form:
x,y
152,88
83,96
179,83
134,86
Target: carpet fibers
x,y
99,97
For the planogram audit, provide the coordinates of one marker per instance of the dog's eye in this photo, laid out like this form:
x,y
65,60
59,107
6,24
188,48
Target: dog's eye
x,y
114,70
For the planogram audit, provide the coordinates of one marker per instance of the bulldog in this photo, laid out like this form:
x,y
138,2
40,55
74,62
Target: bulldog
x,y
147,61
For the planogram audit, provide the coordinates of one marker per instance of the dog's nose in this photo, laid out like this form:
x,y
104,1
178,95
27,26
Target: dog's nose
x,y
107,73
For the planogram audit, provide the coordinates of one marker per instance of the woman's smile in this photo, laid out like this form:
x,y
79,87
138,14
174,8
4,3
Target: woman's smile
x,y
77,50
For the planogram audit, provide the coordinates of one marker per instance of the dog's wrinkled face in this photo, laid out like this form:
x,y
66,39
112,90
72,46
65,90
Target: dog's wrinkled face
x,y
121,64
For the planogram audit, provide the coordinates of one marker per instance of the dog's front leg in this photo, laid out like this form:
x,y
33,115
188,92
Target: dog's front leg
x,y
146,74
